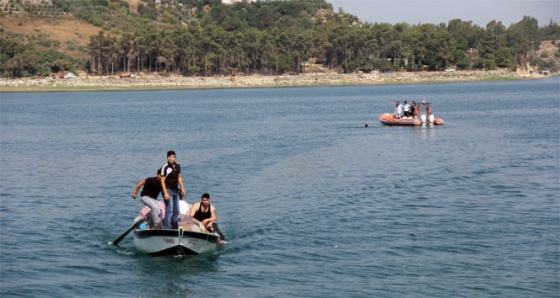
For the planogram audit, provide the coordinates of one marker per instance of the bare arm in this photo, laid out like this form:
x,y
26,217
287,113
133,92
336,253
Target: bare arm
x,y
213,213
140,184
183,191
194,208
163,188
212,218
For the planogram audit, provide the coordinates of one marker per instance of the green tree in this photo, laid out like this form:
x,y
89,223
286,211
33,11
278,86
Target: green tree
x,y
551,31
98,47
504,58
56,61
493,38
523,37
147,12
183,40
126,44
465,38
22,64
434,47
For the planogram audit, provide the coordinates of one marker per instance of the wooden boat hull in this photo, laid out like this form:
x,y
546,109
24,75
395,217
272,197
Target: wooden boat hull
x,y
191,238
174,242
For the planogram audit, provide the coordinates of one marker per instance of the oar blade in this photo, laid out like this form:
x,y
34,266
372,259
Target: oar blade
x,y
217,229
121,237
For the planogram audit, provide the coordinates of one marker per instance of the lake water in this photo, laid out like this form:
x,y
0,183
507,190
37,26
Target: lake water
x,y
314,204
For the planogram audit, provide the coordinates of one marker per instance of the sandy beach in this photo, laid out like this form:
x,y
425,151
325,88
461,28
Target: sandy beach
x,y
152,82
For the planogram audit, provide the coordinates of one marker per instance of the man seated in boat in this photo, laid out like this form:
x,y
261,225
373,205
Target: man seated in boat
x,y
204,212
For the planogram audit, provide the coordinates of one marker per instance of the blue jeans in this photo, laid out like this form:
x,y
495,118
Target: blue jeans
x,y
173,198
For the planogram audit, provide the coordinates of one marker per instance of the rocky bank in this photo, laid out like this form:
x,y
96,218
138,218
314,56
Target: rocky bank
x,y
140,82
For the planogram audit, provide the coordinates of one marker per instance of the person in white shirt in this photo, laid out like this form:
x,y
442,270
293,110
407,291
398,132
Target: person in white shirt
x,y
184,207
398,110
406,109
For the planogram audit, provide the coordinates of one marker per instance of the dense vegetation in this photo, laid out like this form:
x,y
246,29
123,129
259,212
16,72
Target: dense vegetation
x,y
205,37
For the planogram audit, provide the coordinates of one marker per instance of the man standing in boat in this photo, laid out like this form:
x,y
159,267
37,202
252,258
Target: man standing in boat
x,y
170,177
398,110
406,109
428,110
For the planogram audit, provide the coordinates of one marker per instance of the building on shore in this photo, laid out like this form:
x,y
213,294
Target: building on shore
x,y
250,1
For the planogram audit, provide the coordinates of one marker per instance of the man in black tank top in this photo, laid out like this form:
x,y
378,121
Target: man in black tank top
x,y
204,212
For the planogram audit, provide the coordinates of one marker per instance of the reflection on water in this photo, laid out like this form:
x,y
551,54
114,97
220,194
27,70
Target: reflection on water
x,y
426,132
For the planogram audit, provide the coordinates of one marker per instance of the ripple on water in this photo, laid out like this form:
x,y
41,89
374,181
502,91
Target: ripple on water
x,y
312,202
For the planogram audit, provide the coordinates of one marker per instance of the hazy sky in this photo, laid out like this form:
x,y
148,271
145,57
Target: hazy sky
x,y
481,12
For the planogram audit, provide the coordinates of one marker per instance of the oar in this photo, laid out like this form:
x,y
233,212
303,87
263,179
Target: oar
x,y
121,237
215,226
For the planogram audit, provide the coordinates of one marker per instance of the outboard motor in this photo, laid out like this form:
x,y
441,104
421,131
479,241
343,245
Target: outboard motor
x,y
423,118
431,119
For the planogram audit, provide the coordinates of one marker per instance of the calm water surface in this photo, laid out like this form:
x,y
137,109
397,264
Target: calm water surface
x,y
314,203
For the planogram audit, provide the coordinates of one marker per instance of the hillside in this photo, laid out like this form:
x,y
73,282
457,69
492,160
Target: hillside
x,y
195,37
69,34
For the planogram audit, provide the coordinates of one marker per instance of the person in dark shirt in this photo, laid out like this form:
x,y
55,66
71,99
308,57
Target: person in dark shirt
x,y
206,214
150,192
171,179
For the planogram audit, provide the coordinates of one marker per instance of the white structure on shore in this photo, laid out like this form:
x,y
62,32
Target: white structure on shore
x,y
250,1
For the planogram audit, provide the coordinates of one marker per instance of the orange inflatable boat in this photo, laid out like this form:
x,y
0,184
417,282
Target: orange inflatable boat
x,y
390,119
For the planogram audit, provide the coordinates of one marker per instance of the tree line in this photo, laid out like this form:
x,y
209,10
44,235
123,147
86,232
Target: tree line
x,y
208,38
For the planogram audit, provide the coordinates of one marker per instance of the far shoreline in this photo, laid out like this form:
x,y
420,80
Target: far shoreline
x,y
175,82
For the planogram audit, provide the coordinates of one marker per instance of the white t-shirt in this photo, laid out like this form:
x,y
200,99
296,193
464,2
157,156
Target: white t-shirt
x,y
184,207
407,107
399,110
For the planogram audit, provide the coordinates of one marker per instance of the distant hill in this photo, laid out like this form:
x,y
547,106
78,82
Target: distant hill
x,y
66,32
206,37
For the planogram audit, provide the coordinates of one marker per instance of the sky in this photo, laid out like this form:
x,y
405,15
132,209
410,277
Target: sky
x,y
480,12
